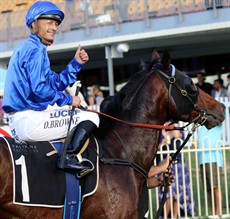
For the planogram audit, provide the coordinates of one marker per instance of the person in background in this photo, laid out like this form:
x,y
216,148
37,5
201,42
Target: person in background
x,y
211,162
92,103
219,90
207,87
31,86
97,94
228,86
171,140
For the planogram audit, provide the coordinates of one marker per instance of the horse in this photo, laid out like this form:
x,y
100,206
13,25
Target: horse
x,y
151,96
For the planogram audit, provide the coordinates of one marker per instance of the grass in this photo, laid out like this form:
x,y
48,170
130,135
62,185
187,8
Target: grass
x,y
202,211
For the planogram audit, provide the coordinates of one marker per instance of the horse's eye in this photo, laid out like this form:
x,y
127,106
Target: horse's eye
x,y
193,86
190,86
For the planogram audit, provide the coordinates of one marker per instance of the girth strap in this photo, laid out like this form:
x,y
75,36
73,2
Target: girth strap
x,y
125,163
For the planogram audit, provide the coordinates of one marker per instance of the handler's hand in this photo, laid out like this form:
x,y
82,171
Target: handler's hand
x,y
81,55
170,176
164,164
76,101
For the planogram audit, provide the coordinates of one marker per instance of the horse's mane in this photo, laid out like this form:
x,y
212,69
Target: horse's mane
x,y
122,100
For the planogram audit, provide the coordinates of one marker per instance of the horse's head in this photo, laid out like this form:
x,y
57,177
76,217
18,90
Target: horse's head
x,y
153,97
164,93
185,101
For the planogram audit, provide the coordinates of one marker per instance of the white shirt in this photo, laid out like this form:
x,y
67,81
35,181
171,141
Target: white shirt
x,y
228,91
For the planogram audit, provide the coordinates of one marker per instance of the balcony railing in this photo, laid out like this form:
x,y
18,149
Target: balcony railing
x,y
84,15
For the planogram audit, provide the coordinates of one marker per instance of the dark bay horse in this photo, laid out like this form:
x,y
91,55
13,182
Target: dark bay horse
x,y
148,98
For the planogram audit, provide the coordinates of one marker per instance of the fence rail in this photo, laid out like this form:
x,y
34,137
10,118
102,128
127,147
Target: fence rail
x,y
198,190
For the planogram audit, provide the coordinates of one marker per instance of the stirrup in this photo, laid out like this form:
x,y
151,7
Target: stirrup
x,y
84,172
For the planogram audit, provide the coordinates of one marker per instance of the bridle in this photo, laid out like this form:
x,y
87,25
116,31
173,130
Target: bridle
x,y
170,81
173,82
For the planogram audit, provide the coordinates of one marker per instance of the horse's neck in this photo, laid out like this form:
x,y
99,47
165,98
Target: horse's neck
x,y
143,146
148,106
150,109
138,145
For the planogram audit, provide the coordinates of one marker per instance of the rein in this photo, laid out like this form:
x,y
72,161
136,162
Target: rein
x,y
149,126
197,121
115,161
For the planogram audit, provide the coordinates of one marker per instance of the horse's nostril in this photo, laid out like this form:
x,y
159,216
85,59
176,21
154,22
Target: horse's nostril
x,y
223,107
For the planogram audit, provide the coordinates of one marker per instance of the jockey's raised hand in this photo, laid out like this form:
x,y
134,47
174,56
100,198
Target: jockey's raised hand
x,y
81,55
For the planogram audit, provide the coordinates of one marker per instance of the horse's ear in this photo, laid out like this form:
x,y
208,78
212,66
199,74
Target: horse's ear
x,y
155,56
166,59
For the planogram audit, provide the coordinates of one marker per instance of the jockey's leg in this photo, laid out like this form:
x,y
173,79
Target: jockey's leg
x,y
47,125
73,162
50,125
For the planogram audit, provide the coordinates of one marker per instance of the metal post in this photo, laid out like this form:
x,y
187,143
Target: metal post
x,y
181,17
215,13
9,26
116,17
110,69
86,14
147,14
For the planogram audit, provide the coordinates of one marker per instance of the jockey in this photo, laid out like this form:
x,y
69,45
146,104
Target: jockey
x,y
31,87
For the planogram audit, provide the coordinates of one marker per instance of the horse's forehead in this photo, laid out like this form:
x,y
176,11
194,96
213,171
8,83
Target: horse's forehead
x,y
181,75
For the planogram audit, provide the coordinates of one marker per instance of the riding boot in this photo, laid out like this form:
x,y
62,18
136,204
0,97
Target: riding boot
x,y
74,163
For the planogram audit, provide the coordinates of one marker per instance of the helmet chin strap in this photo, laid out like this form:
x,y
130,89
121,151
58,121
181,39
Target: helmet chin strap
x,y
46,42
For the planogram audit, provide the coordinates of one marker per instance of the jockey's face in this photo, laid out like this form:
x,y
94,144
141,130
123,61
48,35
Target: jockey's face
x,y
45,28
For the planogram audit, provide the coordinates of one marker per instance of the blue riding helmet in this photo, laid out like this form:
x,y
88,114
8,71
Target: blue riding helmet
x,y
44,9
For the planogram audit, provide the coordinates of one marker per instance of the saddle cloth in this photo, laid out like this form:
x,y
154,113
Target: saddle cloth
x,y
89,184
36,179
38,182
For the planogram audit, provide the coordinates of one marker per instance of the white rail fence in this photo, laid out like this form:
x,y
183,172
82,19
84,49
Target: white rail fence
x,y
199,199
